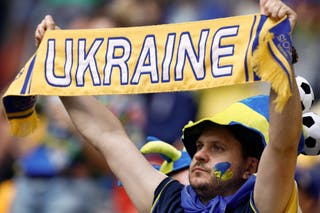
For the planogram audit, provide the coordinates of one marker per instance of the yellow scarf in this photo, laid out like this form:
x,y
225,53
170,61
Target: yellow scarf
x,y
150,59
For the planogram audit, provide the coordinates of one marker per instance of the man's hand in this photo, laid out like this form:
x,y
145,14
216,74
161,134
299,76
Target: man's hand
x,y
276,9
46,24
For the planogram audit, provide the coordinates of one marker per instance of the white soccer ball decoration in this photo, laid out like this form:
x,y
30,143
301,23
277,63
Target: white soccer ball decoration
x,y
311,127
306,93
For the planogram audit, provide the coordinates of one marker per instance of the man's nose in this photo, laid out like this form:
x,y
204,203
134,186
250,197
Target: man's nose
x,y
202,155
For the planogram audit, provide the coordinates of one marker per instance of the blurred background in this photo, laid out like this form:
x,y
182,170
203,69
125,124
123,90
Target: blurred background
x,y
54,169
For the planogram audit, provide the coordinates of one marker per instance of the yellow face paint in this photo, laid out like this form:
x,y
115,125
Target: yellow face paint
x,y
222,171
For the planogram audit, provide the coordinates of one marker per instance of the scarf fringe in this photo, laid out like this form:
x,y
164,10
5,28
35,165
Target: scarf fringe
x,y
278,79
22,127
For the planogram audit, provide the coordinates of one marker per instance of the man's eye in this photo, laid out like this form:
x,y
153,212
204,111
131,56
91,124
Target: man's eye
x,y
218,148
198,146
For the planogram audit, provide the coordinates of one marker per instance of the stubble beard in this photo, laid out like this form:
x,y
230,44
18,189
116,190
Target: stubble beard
x,y
207,190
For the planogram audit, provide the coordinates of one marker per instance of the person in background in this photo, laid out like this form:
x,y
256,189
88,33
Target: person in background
x,y
308,179
54,168
175,163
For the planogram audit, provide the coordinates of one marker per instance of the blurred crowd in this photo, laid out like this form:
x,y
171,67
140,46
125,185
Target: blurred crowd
x,y
55,170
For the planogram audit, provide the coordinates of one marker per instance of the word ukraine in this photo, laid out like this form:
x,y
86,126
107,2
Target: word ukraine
x,y
149,59
146,62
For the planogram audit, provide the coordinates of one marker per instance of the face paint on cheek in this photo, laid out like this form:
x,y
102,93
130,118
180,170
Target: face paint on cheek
x,y
222,171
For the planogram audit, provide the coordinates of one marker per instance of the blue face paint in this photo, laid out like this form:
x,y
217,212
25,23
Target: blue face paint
x,y
222,171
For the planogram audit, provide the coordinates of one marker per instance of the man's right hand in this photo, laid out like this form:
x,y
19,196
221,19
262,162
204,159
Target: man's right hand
x,y
46,24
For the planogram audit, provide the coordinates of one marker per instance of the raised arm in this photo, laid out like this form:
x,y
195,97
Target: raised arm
x,y
275,177
104,130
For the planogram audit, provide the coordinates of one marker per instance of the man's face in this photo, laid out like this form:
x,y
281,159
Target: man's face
x,y
216,145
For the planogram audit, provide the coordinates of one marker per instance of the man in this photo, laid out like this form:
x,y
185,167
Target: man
x,y
216,150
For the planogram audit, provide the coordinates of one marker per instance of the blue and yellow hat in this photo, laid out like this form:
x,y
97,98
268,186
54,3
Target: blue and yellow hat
x,y
247,119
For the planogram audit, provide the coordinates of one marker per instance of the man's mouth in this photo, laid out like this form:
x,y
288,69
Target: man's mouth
x,y
199,169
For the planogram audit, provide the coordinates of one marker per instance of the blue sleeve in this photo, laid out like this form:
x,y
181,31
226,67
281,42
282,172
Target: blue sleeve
x,y
167,197
246,207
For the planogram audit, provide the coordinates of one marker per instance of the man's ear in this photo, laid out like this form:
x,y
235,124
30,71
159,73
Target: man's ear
x,y
251,167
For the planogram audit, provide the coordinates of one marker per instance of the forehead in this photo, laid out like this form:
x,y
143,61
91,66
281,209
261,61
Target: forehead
x,y
218,133
215,129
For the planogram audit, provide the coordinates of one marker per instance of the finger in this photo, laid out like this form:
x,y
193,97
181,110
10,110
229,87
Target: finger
x,y
46,24
283,11
262,7
41,29
267,7
37,39
49,23
39,34
272,8
275,10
